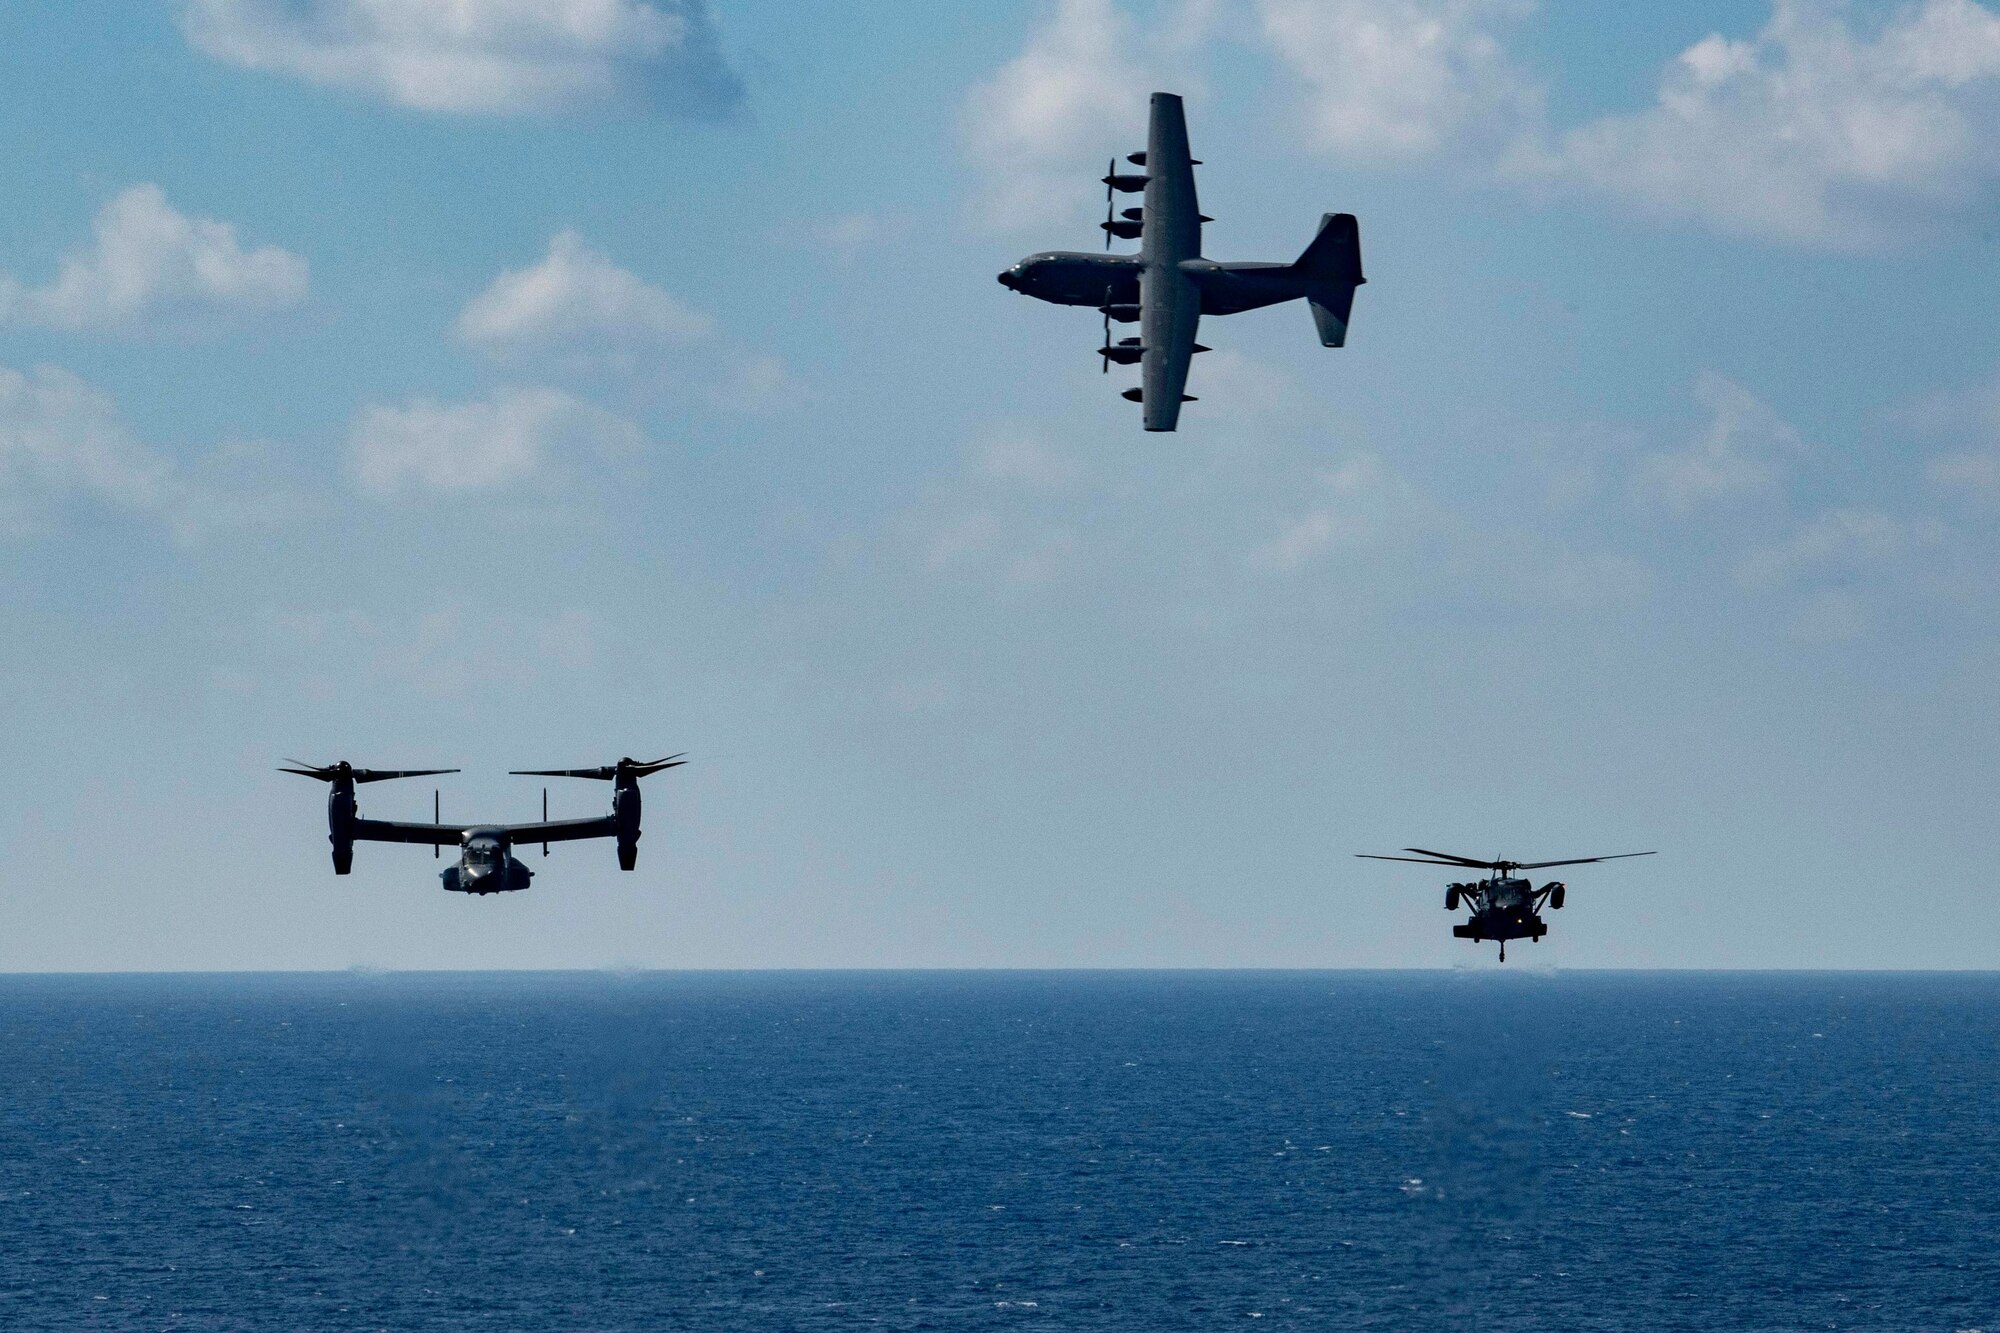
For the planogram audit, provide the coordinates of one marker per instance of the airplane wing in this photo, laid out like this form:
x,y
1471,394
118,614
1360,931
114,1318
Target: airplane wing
x,y
388,830
1173,215
1169,310
557,830
1169,302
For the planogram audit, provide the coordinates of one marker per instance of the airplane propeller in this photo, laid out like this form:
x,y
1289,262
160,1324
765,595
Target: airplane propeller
x,y
627,767
1110,185
347,771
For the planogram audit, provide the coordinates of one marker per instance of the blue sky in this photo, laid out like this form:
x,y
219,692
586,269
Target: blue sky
x,y
566,380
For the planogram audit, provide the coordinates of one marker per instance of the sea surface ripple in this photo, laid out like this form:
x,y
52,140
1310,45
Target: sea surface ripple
x,y
1031,1151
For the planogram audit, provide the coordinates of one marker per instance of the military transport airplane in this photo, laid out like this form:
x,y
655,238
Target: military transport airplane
x,y
1167,287
486,861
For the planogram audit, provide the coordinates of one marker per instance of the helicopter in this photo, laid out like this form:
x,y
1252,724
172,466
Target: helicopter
x,y
1505,907
486,860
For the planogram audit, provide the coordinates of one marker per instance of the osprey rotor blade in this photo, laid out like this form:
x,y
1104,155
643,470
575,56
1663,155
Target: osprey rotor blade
x,y
637,768
343,769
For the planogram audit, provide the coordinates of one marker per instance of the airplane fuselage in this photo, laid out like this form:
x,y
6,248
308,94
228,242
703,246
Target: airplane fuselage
x,y
485,865
1064,277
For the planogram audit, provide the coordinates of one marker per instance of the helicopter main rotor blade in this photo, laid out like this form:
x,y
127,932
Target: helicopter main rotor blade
x,y
1423,861
1459,860
1579,861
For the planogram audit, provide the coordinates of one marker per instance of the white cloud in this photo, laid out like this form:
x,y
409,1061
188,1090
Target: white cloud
x,y
757,386
60,437
1047,117
448,652
1360,502
474,56
1841,541
1389,79
1832,615
152,264
63,440
1739,453
846,237
1807,132
447,448
1968,472
1022,458
1011,515
576,300
1973,417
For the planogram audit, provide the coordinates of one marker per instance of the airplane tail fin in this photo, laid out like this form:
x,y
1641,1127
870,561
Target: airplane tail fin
x,y
1330,269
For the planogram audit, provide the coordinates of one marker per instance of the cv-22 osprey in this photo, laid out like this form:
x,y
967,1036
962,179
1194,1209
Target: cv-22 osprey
x,y
486,860
1167,287
1507,906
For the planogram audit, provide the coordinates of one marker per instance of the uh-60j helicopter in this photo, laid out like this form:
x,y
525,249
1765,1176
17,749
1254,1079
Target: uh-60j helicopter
x,y
1505,907
486,861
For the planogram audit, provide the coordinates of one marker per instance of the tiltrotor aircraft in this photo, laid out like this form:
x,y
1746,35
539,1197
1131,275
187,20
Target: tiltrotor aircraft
x,y
1505,907
1167,287
486,861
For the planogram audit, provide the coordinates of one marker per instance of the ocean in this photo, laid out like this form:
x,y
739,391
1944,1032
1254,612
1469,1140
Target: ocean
x,y
1009,1150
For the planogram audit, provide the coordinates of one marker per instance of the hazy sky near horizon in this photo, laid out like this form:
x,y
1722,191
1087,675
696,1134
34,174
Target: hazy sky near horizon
x,y
499,384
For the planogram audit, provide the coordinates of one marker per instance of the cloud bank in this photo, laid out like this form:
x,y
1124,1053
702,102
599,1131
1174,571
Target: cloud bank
x,y
1811,132
150,265
457,448
471,57
1045,117
63,442
578,299
1807,132
1392,79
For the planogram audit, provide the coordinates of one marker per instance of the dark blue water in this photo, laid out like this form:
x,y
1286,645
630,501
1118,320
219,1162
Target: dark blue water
x,y
1023,1151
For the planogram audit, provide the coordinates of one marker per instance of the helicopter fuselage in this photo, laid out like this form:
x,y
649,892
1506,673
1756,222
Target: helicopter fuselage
x,y
1503,908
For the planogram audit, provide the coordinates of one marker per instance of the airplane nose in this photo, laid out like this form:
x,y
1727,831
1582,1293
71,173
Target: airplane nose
x,y
1007,278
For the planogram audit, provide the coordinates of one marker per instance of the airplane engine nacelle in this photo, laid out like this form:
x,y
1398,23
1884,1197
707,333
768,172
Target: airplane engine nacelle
x,y
340,814
625,810
1556,896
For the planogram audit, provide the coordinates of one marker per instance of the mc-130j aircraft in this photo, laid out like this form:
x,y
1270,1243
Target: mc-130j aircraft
x,y
486,861
1167,287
